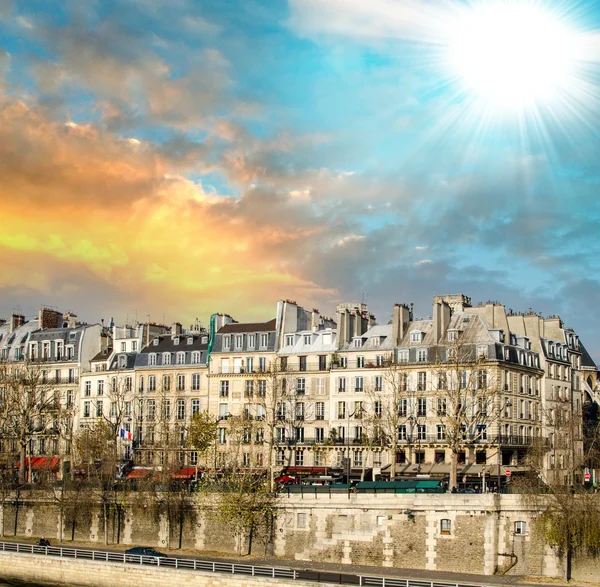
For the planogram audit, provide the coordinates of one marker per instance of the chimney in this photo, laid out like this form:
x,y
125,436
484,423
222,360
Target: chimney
x,y
69,320
315,320
49,318
176,329
400,319
16,320
441,318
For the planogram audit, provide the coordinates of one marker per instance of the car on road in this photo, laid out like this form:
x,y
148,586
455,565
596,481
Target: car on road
x,y
132,555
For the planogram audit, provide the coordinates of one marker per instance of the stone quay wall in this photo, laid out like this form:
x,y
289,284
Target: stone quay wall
x,y
468,533
27,567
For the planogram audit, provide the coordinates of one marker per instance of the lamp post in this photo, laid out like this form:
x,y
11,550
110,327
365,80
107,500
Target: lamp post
x,y
507,404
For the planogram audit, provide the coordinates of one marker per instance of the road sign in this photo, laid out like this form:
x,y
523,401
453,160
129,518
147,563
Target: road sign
x,y
587,476
508,472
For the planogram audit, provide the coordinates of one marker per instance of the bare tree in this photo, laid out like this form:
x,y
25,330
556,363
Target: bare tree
x,y
27,405
467,400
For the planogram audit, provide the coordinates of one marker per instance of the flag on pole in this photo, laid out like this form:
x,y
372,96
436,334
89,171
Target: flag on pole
x,y
126,434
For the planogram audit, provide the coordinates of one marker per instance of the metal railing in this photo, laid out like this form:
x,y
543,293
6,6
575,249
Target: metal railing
x,y
223,567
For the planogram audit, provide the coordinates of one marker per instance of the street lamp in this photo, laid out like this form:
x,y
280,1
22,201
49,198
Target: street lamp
x,y
507,404
347,468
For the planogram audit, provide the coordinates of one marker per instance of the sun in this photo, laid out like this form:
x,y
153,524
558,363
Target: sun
x,y
512,54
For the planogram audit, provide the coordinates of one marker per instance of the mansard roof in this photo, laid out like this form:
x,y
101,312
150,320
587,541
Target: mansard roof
x,y
249,327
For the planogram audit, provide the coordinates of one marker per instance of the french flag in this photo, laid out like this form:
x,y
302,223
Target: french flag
x,y
126,434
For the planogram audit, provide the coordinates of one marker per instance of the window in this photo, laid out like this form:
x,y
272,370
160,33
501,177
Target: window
x,y
320,410
195,381
128,383
195,357
86,409
358,458
181,358
441,406
299,434
301,363
222,435
520,527
226,342
320,381
357,343
239,341
281,411
248,388
359,384
341,410
421,406
264,340
251,341
166,409
358,410
166,358
445,527
377,408
301,520
99,411
195,407
360,362
100,389
113,409
341,384
307,339
262,364
88,388
224,392
421,381
378,383
422,355
299,410
322,362
441,432
223,411
403,356
152,383
320,434
402,432
280,434
299,457
421,432
402,408
300,386
166,382
152,359
415,336
180,382
181,409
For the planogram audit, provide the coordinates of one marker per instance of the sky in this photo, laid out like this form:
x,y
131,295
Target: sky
x,y
170,159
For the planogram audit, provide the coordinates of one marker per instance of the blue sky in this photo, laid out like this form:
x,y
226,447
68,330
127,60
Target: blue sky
x,y
179,158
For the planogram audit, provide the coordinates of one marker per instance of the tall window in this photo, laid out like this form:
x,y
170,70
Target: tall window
x,y
166,359
378,383
195,407
341,410
320,410
180,382
224,389
152,383
359,384
195,381
100,389
341,384
181,409
300,386
166,382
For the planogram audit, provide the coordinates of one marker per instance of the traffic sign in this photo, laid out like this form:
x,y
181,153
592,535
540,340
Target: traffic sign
x,y
508,472
587,476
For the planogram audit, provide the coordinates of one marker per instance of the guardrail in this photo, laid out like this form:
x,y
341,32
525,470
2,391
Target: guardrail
x,y
224,567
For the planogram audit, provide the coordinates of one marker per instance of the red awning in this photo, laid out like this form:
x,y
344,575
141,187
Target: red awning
x,y
186,473
138,473
41,463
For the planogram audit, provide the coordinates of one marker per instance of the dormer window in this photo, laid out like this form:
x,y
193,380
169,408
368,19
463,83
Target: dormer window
x,y
176,340
357,343
181,358
453,335
122,361
166,358
289,340
226,342
482,352
376,341
307,339
416,336
239,341
72,335
195,357
152,359
190,340
156,341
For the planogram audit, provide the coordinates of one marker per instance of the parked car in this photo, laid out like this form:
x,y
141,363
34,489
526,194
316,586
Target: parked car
x,y
131,555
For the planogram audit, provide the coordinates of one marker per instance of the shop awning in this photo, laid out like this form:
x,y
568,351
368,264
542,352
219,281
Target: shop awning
x,y
139,473
41,463
305,470
186,473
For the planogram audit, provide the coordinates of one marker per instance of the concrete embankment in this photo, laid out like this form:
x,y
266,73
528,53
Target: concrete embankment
x,y
43,569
